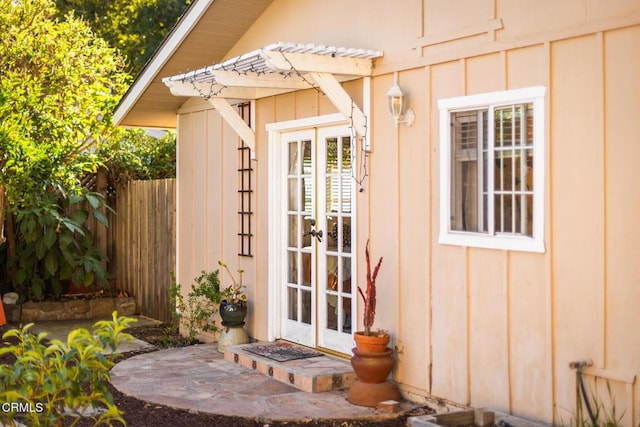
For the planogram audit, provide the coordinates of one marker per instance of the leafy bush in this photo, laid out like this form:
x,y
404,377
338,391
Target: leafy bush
x,y
195,314
58,381
137,155
54,246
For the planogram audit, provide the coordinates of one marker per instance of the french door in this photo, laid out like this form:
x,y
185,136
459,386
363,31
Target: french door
x,y
318,288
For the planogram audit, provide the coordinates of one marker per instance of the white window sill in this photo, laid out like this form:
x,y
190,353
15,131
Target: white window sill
x,y
503,242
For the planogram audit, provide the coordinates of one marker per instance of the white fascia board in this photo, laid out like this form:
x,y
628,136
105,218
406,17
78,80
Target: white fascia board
x,y
160,58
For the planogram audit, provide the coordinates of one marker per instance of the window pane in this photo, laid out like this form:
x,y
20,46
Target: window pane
x,y
467,180
513,175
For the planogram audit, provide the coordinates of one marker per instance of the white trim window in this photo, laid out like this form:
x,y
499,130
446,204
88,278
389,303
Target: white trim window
x,y
492,170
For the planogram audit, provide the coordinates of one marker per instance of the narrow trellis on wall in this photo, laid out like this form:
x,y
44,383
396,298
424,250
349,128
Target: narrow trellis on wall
x,y
245,190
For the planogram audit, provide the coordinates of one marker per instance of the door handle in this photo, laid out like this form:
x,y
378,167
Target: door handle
x,y
317,234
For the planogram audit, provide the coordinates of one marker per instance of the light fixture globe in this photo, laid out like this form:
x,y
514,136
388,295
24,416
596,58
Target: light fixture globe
x,y
397,103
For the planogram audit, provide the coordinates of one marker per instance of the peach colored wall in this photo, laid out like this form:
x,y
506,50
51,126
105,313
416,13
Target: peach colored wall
x,y
479,327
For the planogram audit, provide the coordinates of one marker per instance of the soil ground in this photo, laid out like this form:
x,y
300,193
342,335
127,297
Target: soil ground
x,y
138,413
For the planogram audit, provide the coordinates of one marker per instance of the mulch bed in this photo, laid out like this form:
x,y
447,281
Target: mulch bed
x,y
138,413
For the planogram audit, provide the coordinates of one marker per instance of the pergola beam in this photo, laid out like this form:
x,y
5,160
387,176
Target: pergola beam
x,y
306,63
209,90
231,116
255,80
341,100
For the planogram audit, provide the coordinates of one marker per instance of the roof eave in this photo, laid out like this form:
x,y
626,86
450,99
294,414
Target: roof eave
x,y
169,45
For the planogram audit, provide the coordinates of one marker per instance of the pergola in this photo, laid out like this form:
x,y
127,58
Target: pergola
x,y
275,69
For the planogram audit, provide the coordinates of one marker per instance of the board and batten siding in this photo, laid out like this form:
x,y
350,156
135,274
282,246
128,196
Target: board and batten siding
x,y
487,328
207,195
499,328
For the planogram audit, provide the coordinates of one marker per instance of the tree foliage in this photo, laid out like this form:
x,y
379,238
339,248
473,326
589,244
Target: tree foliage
x,y
138,155
58,88
136,27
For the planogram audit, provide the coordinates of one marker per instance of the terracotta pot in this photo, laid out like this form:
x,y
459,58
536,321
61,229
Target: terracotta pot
x,y
370,394
371,343
372,370
233,314
372,367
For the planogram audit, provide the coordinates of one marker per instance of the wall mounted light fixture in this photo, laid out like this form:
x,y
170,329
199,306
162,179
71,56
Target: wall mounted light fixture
x,y
397,102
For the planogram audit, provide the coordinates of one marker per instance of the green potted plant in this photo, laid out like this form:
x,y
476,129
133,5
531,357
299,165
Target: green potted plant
x,y
233,304
368,340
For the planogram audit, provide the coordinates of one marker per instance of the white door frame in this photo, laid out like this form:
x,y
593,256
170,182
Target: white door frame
x,y
276,200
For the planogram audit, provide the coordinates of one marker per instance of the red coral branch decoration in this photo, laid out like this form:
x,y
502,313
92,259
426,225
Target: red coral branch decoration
x,y
370,297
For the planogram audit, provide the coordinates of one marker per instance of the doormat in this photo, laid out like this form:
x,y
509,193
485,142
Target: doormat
x,y
282,351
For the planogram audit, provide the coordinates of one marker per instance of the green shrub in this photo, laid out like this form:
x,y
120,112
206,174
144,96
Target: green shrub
x,y
51,383
195,314
54,245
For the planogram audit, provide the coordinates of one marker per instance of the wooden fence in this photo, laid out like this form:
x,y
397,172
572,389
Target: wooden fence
x,y
142,246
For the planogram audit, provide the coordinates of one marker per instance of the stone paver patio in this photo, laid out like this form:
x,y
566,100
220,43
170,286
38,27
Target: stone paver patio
x,y
198,378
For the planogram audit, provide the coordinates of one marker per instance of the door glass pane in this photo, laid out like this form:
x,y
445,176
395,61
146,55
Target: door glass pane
x,y
294,195
346,315
346,234
332,155
346,276
346,154
306,237
292,263
332,273
332,233
306,307
292,298
307,194
346,194
332,312
306,269
306,162
293,231
333,193
294,166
